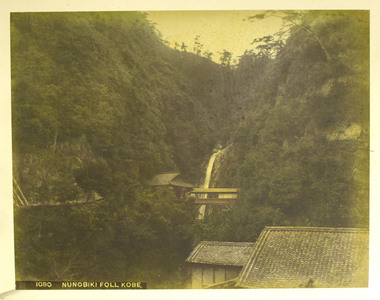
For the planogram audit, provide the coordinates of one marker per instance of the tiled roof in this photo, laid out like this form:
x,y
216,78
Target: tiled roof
x,y
221,253
291,257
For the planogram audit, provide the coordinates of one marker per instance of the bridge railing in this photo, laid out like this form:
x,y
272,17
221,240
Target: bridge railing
x,y
215,195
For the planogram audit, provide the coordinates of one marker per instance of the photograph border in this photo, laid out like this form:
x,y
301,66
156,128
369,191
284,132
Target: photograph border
x,y
7,273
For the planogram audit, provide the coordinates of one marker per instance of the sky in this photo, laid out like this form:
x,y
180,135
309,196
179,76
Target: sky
x,y
217,30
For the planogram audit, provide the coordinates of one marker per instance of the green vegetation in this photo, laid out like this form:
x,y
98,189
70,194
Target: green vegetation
x,y
100,105
301,152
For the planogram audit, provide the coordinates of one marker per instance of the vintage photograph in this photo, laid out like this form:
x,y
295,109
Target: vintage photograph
x,y
219,149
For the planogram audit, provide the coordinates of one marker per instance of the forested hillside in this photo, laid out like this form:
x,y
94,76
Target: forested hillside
x,y
301,152
100,105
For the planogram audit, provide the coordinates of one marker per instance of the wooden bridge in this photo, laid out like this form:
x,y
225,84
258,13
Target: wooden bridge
x,y
214,199
215,195
211,199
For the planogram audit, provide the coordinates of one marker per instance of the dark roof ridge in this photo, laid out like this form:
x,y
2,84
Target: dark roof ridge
x,y
304,228
249,265
226,243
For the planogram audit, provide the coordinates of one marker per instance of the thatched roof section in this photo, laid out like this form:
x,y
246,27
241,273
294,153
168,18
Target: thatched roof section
x,y
163,179
221,253
291,257
170,178
179,182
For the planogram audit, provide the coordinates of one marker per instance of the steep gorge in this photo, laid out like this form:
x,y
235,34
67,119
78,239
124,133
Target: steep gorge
x,y
300,152
104,92
100,104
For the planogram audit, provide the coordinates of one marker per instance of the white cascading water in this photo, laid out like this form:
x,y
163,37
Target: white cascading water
x,y
206,184
209,170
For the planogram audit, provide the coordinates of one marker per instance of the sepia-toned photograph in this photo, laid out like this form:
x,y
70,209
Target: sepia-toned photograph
x,y
218,149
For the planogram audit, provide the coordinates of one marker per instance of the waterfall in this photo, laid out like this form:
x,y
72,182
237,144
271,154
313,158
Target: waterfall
x,y
206,183
209,170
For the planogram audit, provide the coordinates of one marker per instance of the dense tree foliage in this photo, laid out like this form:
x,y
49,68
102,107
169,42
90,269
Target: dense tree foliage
x,y
301,150
100,105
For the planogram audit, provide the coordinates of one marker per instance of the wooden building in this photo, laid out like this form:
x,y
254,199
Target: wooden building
x,y
294,257
174,182
215,262
291,257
